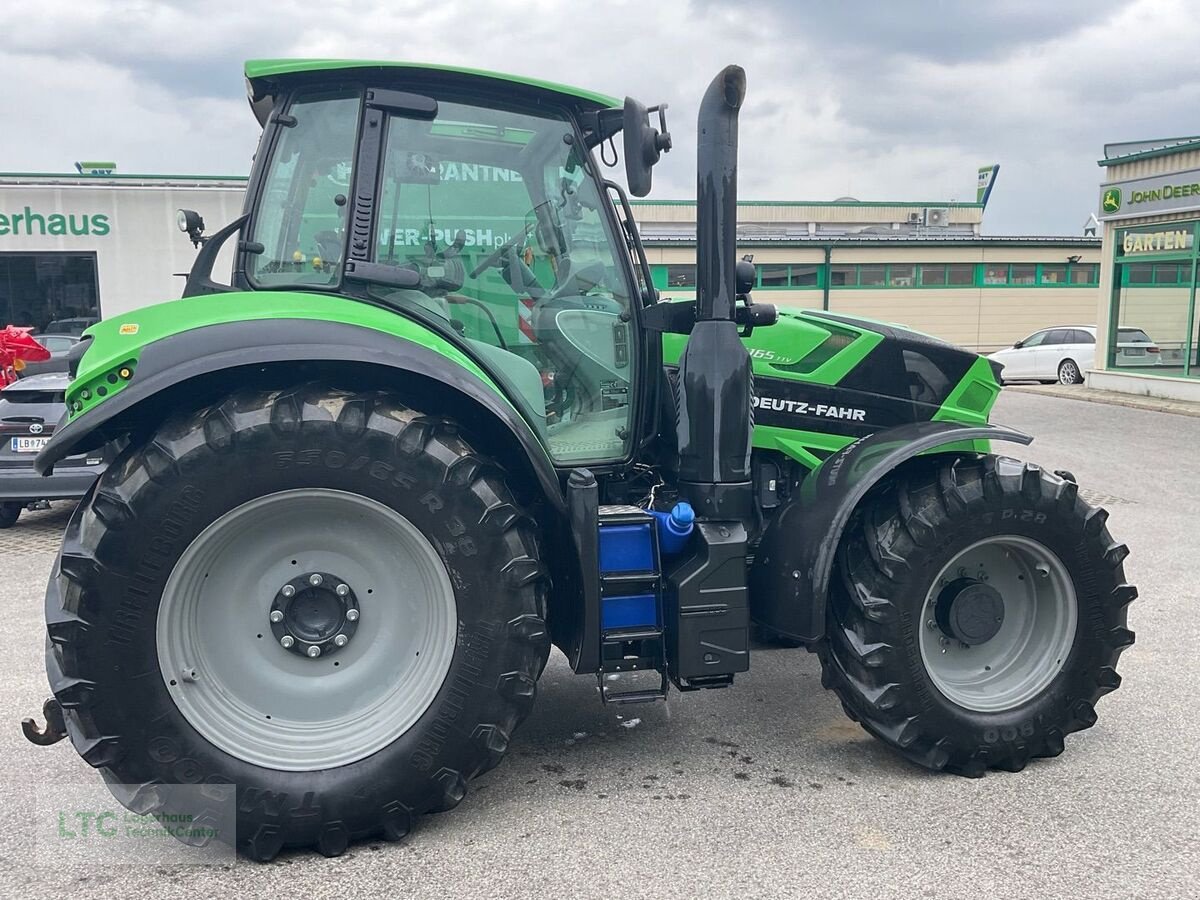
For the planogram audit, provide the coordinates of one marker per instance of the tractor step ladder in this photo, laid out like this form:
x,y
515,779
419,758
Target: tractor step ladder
x,y
632,647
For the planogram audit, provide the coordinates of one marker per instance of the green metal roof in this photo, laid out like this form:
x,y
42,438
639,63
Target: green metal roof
x,y
265,68
1181,145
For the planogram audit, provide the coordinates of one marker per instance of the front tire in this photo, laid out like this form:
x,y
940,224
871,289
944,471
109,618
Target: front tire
x,y
197,578
978,611
9,513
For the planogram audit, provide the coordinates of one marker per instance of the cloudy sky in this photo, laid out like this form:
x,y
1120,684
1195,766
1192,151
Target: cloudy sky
x,y
891,100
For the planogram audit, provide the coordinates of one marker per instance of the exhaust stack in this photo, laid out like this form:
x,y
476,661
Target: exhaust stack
x,y
714,401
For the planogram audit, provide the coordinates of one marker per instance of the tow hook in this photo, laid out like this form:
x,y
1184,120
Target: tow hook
x,y
55,729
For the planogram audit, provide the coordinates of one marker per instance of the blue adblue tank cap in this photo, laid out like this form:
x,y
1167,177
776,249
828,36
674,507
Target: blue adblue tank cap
x,y
675,527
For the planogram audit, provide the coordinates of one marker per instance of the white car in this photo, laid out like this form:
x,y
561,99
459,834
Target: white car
x,y
1065,352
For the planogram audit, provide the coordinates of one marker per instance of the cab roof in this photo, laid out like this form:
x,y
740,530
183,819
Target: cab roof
x,y
259,71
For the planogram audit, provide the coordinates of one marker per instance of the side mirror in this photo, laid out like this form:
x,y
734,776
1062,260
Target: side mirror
x,y
644,144
191,224
744,274
1018,345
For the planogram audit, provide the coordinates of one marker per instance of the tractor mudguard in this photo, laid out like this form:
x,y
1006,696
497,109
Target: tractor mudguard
x,y
200,364
789,580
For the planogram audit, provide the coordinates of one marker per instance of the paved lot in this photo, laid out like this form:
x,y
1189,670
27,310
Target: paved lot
x,y
766,789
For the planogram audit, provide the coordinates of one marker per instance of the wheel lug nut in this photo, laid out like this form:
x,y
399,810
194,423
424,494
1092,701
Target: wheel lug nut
x,y
342,590
314,652
352,615
276,616
932,625
340,640
314,579
288,590
287,640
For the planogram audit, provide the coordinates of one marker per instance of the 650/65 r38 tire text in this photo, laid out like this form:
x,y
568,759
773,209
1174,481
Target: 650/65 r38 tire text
x,y
324,598
978,611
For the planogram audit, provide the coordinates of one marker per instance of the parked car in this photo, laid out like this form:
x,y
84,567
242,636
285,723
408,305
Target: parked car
x,y
1065,352
75,326
30,410
58,345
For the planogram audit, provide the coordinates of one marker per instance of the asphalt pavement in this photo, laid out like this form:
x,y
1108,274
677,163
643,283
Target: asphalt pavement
x,y
763,790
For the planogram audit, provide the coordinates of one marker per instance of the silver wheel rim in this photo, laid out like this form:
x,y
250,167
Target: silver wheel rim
x,y
1031,646
1068,374
241,690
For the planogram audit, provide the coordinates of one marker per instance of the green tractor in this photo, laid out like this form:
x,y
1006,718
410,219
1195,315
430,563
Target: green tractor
x,y
440,420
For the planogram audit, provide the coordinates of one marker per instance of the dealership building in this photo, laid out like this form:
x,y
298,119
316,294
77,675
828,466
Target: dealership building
x,y
102,244
1149,203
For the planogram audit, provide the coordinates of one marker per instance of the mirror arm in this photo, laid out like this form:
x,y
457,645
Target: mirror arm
x,y
199,280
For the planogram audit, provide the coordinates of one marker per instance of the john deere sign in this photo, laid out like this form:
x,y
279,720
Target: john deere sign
x,y
1154,196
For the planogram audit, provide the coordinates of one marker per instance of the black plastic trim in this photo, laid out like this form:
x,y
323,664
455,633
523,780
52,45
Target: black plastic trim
x,y
793,564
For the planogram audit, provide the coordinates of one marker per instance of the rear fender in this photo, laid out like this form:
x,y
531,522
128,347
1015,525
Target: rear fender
x,y
789,581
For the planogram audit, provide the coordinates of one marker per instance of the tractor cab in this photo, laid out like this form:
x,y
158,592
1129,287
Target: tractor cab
x,y
471,202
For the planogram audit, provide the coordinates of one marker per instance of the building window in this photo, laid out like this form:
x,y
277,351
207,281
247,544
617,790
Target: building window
x,y
933,275
1054,274
1142,273
901,276
995,273
773,275
1085,273
1021,273
843,276
681,276
39,288
871,276
960,274
804,275
1154,328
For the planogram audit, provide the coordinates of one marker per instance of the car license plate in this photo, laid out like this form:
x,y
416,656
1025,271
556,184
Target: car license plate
x,y
1135,351
29,444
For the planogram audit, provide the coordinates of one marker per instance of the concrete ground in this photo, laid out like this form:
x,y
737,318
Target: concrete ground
x,y
765,790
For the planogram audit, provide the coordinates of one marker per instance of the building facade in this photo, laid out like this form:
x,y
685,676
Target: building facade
x,y
925,265
1149,204
78,245
99,245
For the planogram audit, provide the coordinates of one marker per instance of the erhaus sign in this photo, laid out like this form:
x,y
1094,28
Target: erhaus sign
x,y
1152,196
30,223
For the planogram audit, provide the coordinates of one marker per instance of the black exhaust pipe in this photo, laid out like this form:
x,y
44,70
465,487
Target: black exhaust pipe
x,y
714,402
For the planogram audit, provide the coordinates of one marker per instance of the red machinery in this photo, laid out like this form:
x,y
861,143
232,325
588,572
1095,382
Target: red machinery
x,y
17,348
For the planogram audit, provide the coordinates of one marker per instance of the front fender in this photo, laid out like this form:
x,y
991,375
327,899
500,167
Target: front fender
x,y
170,373
789,580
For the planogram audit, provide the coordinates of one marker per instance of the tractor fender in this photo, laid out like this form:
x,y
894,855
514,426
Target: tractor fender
x,y
789,579
202,364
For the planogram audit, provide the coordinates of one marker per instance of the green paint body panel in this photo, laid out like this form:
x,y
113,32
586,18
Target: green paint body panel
x,y
118,342
807,348
266,68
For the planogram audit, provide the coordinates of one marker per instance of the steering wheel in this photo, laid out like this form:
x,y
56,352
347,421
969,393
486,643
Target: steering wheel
x,y
493,259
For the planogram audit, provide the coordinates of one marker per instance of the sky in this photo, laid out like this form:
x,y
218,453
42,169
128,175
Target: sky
x,y
898,100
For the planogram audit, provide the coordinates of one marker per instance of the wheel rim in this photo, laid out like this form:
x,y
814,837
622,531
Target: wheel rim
x,y
228,671
1068,374
1028,648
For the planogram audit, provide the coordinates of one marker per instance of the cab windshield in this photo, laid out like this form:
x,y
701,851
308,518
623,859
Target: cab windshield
x,y
493,212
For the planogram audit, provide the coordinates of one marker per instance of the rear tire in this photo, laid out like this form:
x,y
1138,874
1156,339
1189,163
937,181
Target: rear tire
x,y
9,513
1068,372
882,655
371,466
